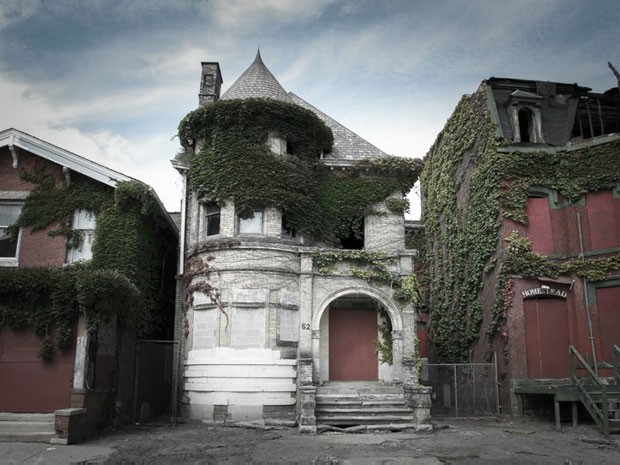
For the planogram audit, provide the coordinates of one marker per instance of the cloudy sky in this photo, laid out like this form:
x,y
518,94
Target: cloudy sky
x,y
111,79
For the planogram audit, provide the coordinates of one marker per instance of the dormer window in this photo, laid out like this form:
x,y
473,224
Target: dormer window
x,y
525,119
526,125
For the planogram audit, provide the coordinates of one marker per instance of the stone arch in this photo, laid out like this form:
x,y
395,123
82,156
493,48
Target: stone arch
x,y
380,297
394,313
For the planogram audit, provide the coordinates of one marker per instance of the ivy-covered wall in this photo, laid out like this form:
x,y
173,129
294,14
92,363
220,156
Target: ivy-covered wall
x,y
474,188
131,274
234,163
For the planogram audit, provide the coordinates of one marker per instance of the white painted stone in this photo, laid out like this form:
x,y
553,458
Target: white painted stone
x,y
205,329
289,325
246,296
289,297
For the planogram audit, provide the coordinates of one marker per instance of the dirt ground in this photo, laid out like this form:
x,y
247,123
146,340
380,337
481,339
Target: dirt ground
x,y
505,440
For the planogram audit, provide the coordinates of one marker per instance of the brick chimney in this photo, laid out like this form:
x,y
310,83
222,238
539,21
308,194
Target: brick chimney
x,y
210,84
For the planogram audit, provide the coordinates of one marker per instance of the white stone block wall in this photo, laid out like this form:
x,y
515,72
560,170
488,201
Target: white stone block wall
x,y
385,232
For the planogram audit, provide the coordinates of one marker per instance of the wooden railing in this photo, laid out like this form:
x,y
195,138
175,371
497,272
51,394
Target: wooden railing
x,y
597,386
616,361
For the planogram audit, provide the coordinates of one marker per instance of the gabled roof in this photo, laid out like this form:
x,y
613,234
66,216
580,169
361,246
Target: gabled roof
x,y
15,140
256,82
347,144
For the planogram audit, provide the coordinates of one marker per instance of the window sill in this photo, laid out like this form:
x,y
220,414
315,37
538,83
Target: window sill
x,y
9,262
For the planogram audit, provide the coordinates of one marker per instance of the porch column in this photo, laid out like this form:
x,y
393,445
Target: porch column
x,y
305,308
409,335
80,365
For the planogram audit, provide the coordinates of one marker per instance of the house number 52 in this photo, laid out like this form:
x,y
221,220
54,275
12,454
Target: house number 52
x,y
305,326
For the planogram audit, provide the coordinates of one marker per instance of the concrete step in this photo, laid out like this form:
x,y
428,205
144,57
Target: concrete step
x,y
362,419
376,427
26,427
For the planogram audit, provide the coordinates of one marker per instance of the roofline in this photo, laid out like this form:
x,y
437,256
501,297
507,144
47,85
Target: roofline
x,y
15,138
512,83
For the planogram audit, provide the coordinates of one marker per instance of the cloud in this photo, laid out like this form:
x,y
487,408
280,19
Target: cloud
x,y
248,15
13,11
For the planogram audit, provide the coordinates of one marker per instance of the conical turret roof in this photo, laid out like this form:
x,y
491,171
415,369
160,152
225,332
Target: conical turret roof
x,y
256,82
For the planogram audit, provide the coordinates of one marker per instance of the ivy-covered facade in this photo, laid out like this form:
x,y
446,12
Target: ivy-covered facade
x,y
521,213
294,229
87,264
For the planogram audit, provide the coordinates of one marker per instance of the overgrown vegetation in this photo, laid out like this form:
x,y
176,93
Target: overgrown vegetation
x,y
470,187
234,163
123,278
374,268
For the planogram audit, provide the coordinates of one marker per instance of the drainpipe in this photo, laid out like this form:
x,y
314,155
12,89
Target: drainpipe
x,y
182,169
585,292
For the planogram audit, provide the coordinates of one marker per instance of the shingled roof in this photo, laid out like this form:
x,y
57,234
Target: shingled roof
x,y
256,82
347,144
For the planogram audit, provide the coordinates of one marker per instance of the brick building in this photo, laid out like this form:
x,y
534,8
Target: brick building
x,y
272,309
68,291
522,211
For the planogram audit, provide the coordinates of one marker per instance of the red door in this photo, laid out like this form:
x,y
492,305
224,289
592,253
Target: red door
x,y
352,354
27,384
546,338
608,308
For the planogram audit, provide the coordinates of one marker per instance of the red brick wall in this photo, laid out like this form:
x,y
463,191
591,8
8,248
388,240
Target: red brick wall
x,y
36,248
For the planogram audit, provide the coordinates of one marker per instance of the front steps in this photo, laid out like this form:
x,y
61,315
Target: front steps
x,y
27,427
362,406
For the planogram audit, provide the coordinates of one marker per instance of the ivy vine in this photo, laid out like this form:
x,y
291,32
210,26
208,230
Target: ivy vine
x,y
471,184
234,163
122,280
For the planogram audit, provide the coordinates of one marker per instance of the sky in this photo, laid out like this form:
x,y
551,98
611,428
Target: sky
x,y
110,80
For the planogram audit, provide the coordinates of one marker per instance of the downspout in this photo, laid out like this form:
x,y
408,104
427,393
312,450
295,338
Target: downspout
x,y
183,226
587,299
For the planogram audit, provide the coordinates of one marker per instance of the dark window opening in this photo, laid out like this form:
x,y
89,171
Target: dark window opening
x,y
287,231
526,125
207,80
355,238
289,147
213,219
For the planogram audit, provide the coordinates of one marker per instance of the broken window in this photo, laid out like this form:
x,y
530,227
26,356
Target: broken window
x,y
526,125
252,224
354,236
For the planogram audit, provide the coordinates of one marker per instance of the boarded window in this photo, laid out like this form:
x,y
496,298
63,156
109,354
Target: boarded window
x,y
539,228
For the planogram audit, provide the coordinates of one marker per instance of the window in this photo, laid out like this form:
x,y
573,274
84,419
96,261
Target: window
x,y
252,225
526,125
85,222
9,212
278,145
212,219
287,231
354,236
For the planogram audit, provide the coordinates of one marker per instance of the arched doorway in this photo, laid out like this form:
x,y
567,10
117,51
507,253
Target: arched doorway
x,y
347,332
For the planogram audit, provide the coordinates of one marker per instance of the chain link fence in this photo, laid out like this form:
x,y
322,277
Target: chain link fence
x,y
157,367
464,390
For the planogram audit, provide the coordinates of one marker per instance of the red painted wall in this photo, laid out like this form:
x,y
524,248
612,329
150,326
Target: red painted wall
x,y
27,384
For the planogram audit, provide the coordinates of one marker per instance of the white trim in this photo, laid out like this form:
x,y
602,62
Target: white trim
x,y
14,137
